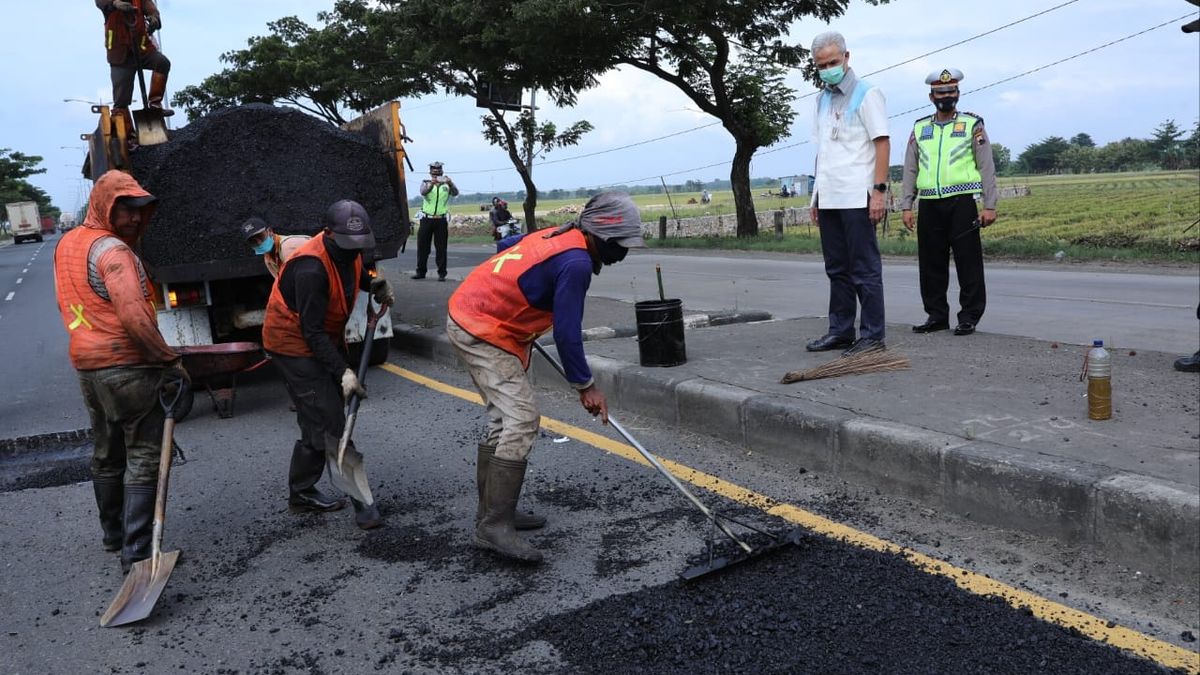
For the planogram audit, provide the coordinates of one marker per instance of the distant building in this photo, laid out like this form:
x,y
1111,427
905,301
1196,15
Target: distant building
x,y
797,186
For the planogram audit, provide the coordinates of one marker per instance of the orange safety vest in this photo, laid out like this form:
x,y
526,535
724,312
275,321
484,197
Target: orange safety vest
x,y
119,39
281,327
97,338
489,303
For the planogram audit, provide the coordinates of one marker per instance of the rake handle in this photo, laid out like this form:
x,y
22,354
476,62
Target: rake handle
x,y
654,461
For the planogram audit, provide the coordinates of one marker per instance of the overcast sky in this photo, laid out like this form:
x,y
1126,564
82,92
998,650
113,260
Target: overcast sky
x,y
1122,90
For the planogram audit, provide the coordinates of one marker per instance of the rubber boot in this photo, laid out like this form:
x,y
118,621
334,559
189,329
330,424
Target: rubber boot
x,y
521,521
366,516
110,502
158,89
139,524
130,130
303,474
495,531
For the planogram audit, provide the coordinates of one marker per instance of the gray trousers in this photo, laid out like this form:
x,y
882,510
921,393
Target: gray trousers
x,y
122,76
127,422
501,380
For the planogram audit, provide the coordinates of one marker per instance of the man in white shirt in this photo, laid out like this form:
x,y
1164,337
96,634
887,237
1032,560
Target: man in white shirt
x,y
850,131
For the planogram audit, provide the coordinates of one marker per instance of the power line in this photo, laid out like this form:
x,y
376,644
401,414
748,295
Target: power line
x,y
912,110
813,93
600,152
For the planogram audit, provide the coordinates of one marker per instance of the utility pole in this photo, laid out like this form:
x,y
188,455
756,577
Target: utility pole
x,y
529,138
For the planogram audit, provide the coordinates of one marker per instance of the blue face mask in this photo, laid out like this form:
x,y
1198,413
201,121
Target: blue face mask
x,y
833,75
265,247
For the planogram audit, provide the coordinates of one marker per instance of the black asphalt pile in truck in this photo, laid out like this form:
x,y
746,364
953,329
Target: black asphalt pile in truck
x,y
256,160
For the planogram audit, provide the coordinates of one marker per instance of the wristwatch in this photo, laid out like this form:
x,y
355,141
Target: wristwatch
x,y
880,187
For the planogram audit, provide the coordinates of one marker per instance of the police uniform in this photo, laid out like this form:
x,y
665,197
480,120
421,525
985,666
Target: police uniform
x,y
947,163
434,227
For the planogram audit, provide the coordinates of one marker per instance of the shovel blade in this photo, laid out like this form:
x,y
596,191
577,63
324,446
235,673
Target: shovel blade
x,y
151,126
140,590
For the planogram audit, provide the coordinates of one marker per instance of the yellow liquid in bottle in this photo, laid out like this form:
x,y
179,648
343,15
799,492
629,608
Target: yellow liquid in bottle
x,y
1099,398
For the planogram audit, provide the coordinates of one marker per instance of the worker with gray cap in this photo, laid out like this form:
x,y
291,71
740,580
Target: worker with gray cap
x,y
537,282
304,332
948,162
434,228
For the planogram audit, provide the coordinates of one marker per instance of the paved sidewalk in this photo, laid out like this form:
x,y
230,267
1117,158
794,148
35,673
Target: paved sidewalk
x,y
991,427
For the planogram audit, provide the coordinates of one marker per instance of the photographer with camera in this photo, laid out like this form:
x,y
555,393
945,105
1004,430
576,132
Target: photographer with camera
x,y
437,191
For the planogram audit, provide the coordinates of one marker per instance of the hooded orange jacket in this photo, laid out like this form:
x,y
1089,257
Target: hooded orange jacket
x,y
103,294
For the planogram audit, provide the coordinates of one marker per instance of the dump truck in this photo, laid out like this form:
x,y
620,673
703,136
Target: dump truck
x,y
278,164
24,221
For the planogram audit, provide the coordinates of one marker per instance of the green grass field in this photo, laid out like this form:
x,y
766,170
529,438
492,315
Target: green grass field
x,y
1123,216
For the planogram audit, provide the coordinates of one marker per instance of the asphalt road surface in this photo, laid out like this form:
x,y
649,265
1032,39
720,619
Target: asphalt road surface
x,y
260,590
1136,307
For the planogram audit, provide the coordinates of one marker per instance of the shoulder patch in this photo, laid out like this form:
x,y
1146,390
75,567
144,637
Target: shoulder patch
x,y
923,119
971,114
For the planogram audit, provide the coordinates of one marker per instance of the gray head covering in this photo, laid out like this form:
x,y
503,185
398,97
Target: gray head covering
x,y
612,216
349,225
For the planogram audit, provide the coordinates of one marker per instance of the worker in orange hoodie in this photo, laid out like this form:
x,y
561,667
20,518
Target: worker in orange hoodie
x,y
107,306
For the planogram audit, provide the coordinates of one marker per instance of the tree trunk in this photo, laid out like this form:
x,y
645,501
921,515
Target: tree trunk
x,y
530,203
743,198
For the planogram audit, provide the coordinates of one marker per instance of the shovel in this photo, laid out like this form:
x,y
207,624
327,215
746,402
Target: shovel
x,y
150,122
147,578
713,563
363,364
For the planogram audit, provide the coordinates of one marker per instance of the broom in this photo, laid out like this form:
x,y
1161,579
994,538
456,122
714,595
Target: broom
x,y
856,364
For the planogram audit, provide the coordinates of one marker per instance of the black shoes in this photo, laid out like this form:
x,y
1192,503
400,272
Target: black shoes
x,y
441,277
1188,364
829,342
313,500
964,328
864,345
418,275
931,326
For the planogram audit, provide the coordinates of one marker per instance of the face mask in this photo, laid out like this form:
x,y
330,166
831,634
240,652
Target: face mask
x,y
265,247
610,252
945,104
833,75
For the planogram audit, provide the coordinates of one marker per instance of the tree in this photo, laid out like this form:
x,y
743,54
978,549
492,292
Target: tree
x,y
1042,157
1078,159
15,167
1166,147
1001,157
729,59
1127,154
1083,140
522,44
322,71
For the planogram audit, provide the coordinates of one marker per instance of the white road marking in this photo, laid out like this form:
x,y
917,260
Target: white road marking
x,y
10,296
20,279
25,271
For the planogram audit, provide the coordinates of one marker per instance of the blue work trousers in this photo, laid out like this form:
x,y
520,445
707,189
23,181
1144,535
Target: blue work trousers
x,y
855,272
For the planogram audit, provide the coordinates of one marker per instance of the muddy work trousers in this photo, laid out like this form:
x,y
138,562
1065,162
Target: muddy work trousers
x,y
513,419
122,76
320,413
127,422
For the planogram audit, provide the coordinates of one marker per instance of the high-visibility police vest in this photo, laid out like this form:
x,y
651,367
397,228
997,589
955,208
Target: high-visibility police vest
x,y
437,200
946,158
97,338
489,303
281,327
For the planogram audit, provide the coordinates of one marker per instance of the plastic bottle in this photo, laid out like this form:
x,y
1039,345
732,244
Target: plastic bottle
x,y
1099,374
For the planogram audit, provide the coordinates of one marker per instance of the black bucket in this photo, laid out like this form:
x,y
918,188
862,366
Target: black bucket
x,y
660,332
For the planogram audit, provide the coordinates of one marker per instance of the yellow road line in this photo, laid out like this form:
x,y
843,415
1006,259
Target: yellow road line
x,y
1048,610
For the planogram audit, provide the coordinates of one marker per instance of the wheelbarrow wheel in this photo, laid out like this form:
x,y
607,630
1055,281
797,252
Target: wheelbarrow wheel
x,y
185,405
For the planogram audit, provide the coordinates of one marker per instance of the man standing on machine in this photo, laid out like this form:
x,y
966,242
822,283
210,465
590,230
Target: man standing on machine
x,y
127,28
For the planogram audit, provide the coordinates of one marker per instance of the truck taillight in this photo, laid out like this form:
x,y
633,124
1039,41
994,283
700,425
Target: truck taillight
x,y
186,295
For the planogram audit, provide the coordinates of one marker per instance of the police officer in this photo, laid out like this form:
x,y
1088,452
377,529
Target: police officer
x,y
437,191
947,163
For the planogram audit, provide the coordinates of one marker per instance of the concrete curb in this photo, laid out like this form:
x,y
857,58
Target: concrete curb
x,y
689,321
1149,524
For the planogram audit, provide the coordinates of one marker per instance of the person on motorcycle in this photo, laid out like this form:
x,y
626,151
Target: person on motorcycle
x,y
500,216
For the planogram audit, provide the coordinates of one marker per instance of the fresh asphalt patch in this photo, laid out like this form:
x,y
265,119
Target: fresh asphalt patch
x,y
261,590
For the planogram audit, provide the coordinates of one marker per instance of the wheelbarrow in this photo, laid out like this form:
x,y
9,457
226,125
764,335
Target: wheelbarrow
x,y
216,367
